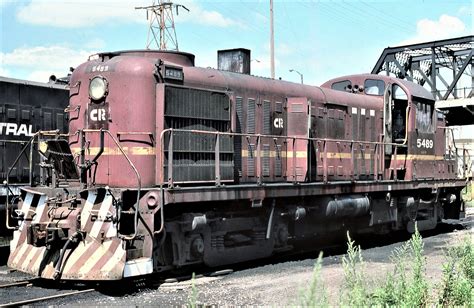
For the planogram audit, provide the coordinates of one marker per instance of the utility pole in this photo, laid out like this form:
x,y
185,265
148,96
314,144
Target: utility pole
x,y
272,42
161,24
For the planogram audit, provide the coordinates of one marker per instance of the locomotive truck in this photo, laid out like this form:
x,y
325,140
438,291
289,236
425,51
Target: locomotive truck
x,y
168,165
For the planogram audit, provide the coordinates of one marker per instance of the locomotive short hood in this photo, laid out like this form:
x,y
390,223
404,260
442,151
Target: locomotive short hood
x,y
176,57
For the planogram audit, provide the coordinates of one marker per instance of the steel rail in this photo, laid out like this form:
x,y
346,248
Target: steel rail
x,y
18,283
44,298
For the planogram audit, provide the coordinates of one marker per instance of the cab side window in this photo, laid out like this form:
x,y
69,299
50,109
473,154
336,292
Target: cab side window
x,y
344,85
374,87
424,117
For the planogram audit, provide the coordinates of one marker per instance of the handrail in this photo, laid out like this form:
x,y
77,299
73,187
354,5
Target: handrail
x,y
30,161
466,167
258,137
137,174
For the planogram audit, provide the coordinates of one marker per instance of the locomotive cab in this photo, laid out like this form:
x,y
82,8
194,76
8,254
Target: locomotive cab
x,y
409,125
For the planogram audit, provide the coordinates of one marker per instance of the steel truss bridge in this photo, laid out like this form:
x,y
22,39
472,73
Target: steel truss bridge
x,y
445,67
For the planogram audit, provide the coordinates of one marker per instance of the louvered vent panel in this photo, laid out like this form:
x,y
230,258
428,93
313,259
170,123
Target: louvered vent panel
x,y
251,160
266,118
266,160
251,116
240,114
278,161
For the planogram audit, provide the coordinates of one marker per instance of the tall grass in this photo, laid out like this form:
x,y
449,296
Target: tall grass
x,y
315,295
192,298
395,286
406,285
355,291
458,275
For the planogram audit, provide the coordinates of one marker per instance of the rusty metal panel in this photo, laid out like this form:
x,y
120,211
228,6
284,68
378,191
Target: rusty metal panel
x,y
234,60
298,126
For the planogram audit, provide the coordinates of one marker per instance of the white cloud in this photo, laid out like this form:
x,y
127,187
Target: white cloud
x,y
4,72
84,13
42,76
201,16
284,49
42,61
97,44
429,30
465,10
89,13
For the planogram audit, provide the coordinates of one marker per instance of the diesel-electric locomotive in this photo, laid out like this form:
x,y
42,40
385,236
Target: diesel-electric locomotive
x,y
168,165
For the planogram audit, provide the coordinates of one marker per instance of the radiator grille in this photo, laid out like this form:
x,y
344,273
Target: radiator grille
x,y
193,153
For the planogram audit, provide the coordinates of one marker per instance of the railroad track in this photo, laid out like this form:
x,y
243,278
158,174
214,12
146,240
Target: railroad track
x,y
176,282
44,298
19,283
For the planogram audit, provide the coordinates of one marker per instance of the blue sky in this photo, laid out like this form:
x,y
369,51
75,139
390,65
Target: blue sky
x,y
321,39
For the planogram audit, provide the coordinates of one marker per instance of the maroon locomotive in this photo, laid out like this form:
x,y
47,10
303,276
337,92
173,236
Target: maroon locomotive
x,y
168,165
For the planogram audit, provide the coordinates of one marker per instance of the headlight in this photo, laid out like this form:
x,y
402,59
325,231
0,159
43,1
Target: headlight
x,y
98,88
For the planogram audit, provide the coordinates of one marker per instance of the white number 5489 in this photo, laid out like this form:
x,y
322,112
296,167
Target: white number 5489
x,y
424,143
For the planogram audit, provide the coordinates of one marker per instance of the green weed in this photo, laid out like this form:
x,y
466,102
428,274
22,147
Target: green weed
x,y
315,295
192,299
354,290
402,288
458,276
417,291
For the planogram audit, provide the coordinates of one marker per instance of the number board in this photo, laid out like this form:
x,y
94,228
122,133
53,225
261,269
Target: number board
x,y
423,143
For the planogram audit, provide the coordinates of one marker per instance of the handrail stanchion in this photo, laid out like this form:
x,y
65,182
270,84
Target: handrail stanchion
x,y
325,161
30,163
217,164
395,170
382,156
294,160
376,161
352,161
170,159
363,164
259,161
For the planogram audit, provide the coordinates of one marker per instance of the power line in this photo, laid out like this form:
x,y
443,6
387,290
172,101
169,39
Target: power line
x,y
161,24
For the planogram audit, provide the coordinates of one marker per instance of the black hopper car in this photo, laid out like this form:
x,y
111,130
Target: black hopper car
x,y
25,107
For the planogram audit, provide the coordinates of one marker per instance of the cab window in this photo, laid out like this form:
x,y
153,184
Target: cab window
x,y
374,87
424,117
342,85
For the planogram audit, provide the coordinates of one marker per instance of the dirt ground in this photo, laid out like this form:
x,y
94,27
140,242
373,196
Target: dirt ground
x,y
272,284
